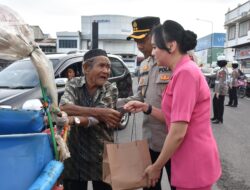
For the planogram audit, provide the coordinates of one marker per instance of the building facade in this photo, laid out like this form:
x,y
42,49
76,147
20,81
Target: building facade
x,y
209,48
112,35
47,44
237,43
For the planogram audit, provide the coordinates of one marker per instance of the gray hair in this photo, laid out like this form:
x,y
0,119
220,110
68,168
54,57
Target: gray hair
x,y
89,62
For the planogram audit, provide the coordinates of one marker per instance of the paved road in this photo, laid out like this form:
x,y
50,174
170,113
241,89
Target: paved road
x,y
233,138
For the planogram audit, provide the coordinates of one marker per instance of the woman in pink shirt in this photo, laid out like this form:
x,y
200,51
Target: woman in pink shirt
x,y
190,143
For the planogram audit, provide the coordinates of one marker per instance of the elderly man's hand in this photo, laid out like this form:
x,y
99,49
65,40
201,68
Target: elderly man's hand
x,y
62,119
109,116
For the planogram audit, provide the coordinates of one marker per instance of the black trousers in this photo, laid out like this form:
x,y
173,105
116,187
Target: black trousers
x,y
154,155
83,185
233,99
218,107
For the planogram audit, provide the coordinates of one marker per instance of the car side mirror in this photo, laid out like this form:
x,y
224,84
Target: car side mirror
x,y
60,82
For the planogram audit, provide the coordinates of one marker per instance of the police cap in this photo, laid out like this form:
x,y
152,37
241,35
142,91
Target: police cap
x,y
221,58
142,26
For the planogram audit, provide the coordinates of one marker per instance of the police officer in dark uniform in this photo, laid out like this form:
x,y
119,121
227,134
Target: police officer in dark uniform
x,y
221,88
233,85
152,81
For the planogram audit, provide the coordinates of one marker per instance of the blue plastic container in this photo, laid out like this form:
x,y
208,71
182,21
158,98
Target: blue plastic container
x,y
48,177
22,159
20,121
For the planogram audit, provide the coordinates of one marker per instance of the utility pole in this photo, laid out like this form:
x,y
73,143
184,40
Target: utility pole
x,y
94,35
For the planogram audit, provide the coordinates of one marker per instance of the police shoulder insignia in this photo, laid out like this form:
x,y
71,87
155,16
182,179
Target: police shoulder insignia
x,y
145,68
165,77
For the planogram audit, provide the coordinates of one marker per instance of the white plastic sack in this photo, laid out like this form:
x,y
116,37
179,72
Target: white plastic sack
x,y
17,42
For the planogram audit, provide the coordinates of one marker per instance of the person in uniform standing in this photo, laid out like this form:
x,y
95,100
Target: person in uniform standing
x,y
221,89
233,98
152,82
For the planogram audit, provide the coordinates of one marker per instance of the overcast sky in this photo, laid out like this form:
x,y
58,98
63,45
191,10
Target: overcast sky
x,y
65,15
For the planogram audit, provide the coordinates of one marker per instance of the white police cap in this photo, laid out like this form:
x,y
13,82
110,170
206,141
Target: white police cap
x,y
221,58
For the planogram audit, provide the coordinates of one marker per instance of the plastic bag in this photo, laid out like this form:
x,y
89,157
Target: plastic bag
x,y
17,42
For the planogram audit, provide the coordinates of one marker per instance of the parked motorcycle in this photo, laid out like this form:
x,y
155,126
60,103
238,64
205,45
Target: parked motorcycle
x,y
242,86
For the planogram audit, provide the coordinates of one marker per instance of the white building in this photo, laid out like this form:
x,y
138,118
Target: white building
x,y
113,32
237,24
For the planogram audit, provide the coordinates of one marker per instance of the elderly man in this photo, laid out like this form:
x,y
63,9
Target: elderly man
x,y
89,102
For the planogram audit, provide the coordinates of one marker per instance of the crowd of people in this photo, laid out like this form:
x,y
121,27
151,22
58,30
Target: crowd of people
x,y
174,97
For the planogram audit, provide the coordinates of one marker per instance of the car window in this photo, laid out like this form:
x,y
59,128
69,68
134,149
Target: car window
x,y
77,67
21,74
117,68
76,62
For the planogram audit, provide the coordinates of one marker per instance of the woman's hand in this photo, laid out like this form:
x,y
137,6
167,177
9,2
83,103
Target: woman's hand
x,y
135,106
153,175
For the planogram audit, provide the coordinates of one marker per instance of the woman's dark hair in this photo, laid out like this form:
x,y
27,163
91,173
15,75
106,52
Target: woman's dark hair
x,y
158,37
173,31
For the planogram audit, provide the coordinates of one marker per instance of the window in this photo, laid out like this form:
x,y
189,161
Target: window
x,y
47,49
117,68
231,32
67,43
243,28
77,67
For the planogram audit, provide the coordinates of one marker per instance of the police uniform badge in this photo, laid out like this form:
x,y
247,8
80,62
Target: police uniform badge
x,y
134,26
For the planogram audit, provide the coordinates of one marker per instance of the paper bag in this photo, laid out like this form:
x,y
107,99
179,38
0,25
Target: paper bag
x,y
124,164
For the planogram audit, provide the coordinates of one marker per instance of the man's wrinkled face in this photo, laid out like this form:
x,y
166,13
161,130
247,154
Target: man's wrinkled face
x,y
100,71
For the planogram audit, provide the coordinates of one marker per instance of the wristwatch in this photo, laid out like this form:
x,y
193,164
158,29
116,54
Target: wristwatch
x,y
76,121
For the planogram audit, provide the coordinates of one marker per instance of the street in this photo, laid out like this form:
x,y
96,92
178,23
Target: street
x,y
233,141
234,145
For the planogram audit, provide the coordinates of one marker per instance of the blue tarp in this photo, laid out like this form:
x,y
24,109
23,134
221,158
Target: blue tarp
x,y
22,159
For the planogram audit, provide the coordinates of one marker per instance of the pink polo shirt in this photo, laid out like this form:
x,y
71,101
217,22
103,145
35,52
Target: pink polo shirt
x,y
187,98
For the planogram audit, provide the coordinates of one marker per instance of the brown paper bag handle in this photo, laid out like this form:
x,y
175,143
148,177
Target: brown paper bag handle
x,y
133,129
133,132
